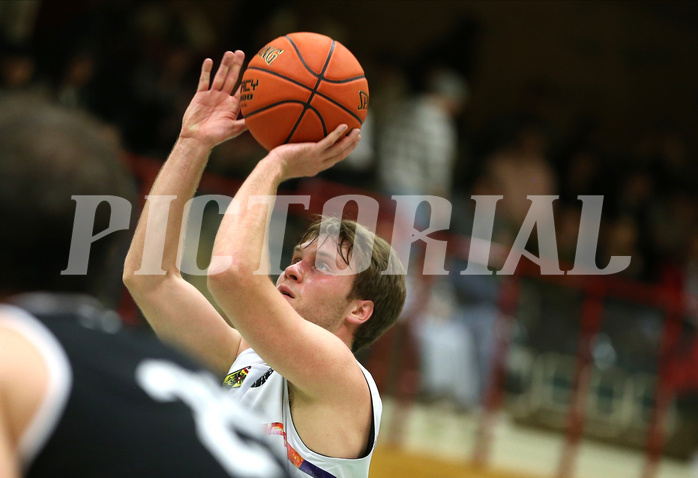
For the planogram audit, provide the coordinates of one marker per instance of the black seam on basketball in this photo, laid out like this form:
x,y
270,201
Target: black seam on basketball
x,y
295,82
349,80
264,108
356,117
300,57
331,100
320,77
321,95
327,62
308,107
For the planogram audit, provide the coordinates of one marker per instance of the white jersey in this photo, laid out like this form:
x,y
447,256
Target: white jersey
x,y
259,388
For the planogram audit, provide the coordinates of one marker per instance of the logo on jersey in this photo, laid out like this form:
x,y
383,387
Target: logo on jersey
x,y
235,379
261,380
293,456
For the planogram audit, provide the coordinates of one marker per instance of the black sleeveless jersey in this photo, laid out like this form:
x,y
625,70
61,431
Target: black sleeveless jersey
x,y
122,404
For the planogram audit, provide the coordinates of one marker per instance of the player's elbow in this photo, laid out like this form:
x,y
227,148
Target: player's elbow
x,y
135,283
129,276
132,276
219,283
222,279
142,281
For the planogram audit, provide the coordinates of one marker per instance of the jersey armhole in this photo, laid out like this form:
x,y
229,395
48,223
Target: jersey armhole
x,y
376,411
373,434
60,379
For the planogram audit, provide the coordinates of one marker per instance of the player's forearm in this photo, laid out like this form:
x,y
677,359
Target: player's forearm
x,y
242,233
178,178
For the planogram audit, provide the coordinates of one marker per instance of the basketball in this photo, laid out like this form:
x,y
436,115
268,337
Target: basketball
x,y
300,87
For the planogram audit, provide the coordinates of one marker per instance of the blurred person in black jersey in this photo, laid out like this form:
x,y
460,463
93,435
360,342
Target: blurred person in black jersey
x,y
81,394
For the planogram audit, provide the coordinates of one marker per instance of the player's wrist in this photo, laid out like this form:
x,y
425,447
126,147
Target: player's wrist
x,y
276,166
194,145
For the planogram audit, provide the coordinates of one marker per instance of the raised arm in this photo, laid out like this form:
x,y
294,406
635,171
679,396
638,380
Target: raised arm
x,y
175,309
315,361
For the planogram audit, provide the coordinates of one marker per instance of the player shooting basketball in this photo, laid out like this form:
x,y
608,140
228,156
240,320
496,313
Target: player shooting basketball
x,y
289,355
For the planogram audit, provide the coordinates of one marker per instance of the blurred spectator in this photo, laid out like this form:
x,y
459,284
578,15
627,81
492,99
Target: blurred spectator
x,y
74,86
517,169
662,151
622,238
418,143
671,220
583,166
417,150
388,87
477,296
631,217
636,192
582,173
17,68
477,311
448,352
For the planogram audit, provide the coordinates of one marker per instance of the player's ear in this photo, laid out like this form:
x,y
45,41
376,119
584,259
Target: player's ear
x,y
361,311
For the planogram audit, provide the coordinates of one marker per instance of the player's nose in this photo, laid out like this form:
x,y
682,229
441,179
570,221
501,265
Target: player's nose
x,y
294,271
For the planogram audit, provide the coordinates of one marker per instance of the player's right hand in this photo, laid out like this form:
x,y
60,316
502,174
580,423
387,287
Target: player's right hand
x,y
212,114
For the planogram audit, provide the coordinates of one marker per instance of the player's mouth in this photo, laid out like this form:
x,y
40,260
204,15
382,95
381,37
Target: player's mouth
x,y
286,291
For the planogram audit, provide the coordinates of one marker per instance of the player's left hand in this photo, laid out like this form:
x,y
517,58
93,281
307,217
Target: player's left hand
x,y
308,159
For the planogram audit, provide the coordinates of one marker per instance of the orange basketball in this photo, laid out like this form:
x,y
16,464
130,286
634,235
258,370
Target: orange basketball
x,y
300,87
